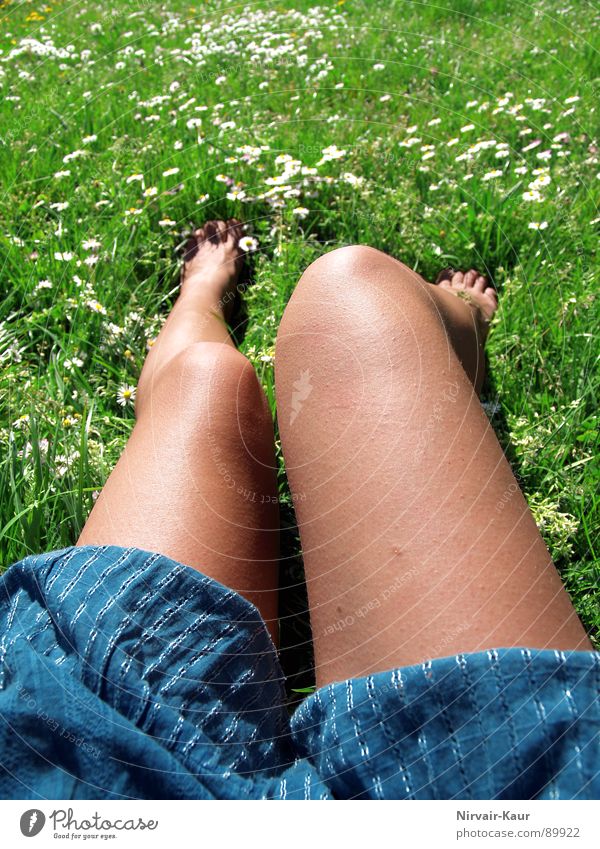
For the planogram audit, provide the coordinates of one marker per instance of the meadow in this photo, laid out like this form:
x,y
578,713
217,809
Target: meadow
x,y
462,132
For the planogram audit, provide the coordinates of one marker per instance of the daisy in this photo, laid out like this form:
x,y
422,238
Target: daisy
x,y
126,395
532,195
96,306
248,244
170,171
537,225
300,211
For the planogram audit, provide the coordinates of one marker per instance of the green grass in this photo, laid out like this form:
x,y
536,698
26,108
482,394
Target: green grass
x,y
285,80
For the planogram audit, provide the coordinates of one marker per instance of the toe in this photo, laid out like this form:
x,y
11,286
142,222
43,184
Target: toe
x,y
233,227
458,280
211,232
444,276
480,283
469,278
191,248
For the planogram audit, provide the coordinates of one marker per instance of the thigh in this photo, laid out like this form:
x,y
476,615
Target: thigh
x,y
196,480
398,481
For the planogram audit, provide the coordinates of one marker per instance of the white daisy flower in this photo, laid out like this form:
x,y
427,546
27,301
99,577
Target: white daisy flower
x,y
126,395
532,196
248,244
96,306
537,225
492,175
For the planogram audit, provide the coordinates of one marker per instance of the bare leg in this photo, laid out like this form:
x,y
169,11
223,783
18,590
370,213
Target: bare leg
x,y
196,480
417,541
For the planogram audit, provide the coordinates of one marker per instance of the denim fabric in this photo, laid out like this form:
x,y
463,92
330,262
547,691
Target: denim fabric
x,y
124,674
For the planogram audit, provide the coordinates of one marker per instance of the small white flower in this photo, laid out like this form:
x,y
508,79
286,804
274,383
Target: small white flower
x,y
91,245
89,139
60,174
378,66
166,222
537,225
96,306
64,256
248,244
467,128
126,395
352,179
300,211
532,196
492,175
236,194
44,284
170,171
135,177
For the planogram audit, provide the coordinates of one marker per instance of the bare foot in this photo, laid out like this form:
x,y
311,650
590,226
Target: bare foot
x,y
213,260
475,289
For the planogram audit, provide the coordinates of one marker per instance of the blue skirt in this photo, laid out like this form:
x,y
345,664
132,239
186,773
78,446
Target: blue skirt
x,y
124,674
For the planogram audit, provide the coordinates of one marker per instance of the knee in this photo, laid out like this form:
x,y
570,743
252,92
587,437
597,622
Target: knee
x,y
354,281
348,262
212,381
